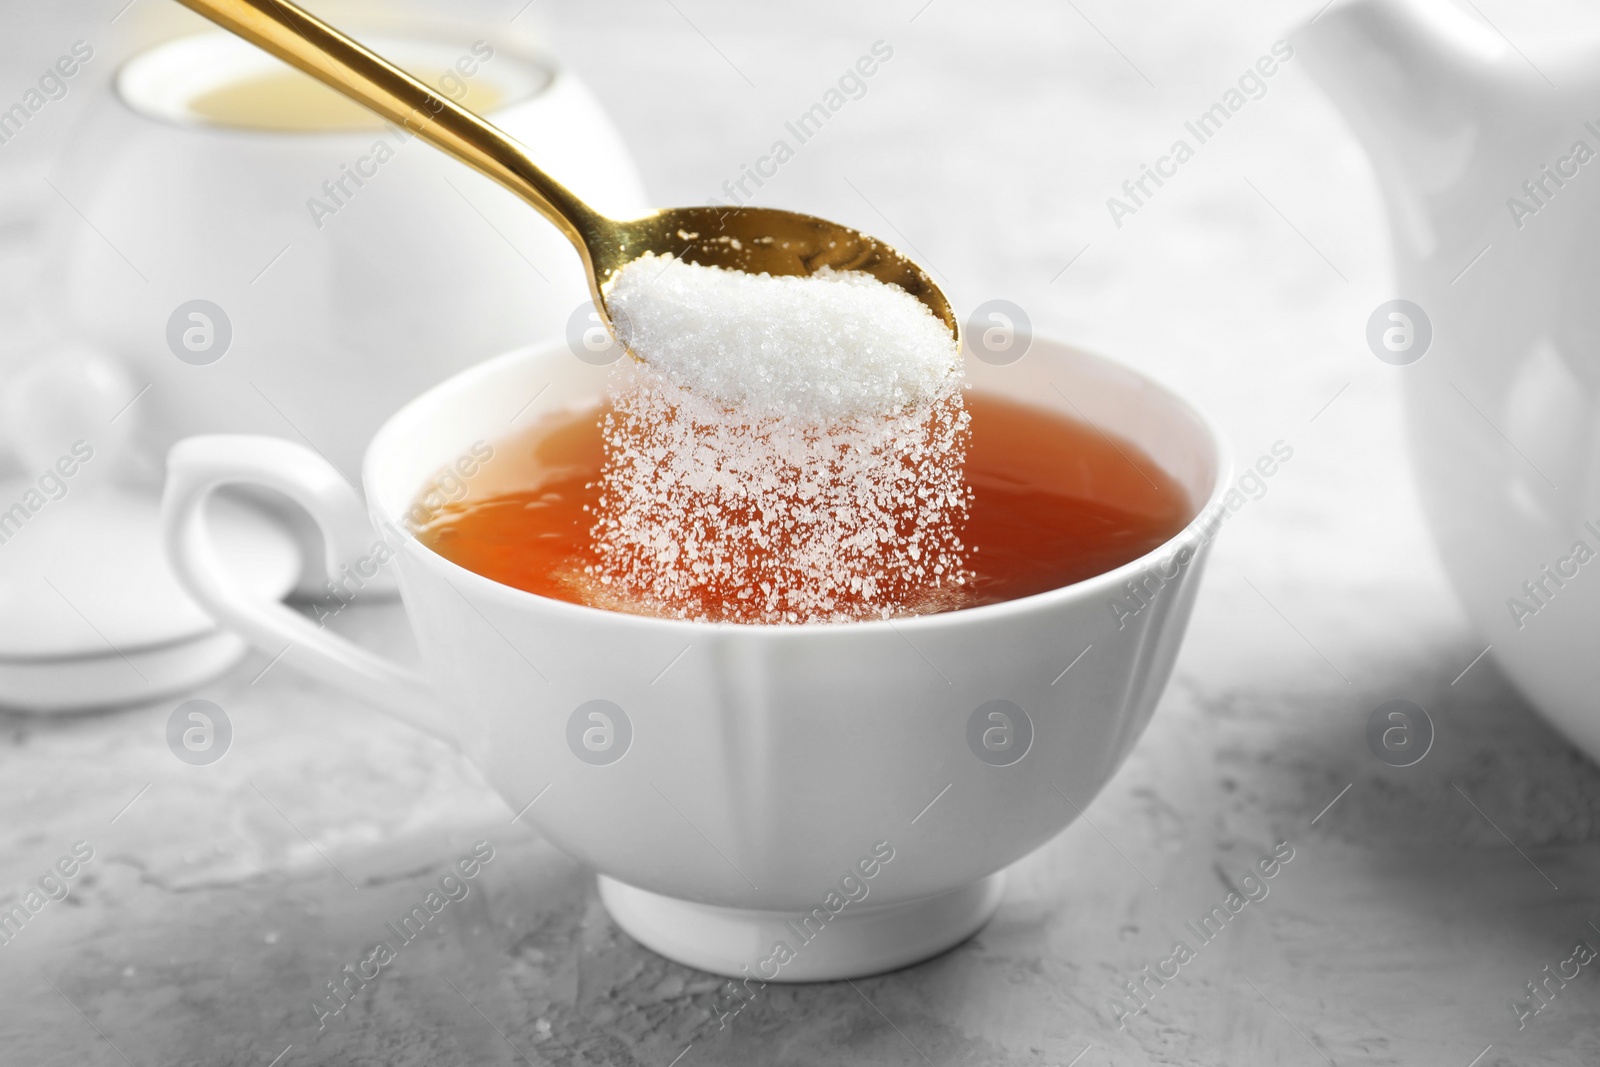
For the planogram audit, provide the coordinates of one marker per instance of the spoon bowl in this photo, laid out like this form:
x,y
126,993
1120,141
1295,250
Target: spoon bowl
x,y
754,240
759,241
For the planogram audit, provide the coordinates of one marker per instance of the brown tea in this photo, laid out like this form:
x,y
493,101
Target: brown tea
x,y
1054,500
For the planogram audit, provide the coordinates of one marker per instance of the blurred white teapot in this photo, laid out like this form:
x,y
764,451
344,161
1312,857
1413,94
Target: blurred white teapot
x,y
1490,169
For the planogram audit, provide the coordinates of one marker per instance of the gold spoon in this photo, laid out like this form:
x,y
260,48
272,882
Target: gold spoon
x,y
742,238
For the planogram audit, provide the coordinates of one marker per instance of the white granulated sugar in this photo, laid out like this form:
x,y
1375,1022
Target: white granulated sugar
x,y
786,450
832,345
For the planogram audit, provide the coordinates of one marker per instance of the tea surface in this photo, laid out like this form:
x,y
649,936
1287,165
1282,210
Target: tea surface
x,y
1054,501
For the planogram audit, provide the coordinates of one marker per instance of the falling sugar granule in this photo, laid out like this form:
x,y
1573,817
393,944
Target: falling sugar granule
x,y
784,449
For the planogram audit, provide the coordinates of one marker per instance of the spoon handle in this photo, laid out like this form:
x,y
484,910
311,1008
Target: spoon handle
x,y
304,41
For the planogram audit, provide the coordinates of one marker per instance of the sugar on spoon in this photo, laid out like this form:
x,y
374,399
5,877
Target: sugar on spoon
x,y
749,239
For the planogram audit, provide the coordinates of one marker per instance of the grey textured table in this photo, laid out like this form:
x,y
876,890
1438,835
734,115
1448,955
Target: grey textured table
x,y
220,900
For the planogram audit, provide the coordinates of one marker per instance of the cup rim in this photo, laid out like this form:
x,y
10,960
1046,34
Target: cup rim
x,y
1208,514
136,85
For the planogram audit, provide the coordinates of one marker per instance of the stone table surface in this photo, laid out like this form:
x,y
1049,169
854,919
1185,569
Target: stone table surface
x,y
1419,901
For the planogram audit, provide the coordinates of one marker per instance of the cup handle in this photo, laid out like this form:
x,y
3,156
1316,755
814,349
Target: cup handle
x,y
198,467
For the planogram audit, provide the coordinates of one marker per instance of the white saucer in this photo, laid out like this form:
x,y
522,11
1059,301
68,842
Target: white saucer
x,y
93,617
139,676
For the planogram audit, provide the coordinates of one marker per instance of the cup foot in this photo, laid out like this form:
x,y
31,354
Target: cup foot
x,y
858,941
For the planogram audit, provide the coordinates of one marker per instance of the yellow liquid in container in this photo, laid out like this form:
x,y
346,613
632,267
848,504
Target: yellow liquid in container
x,y
290,101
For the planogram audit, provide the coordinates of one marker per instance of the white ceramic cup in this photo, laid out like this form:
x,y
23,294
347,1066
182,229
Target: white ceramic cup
x,y
735,785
